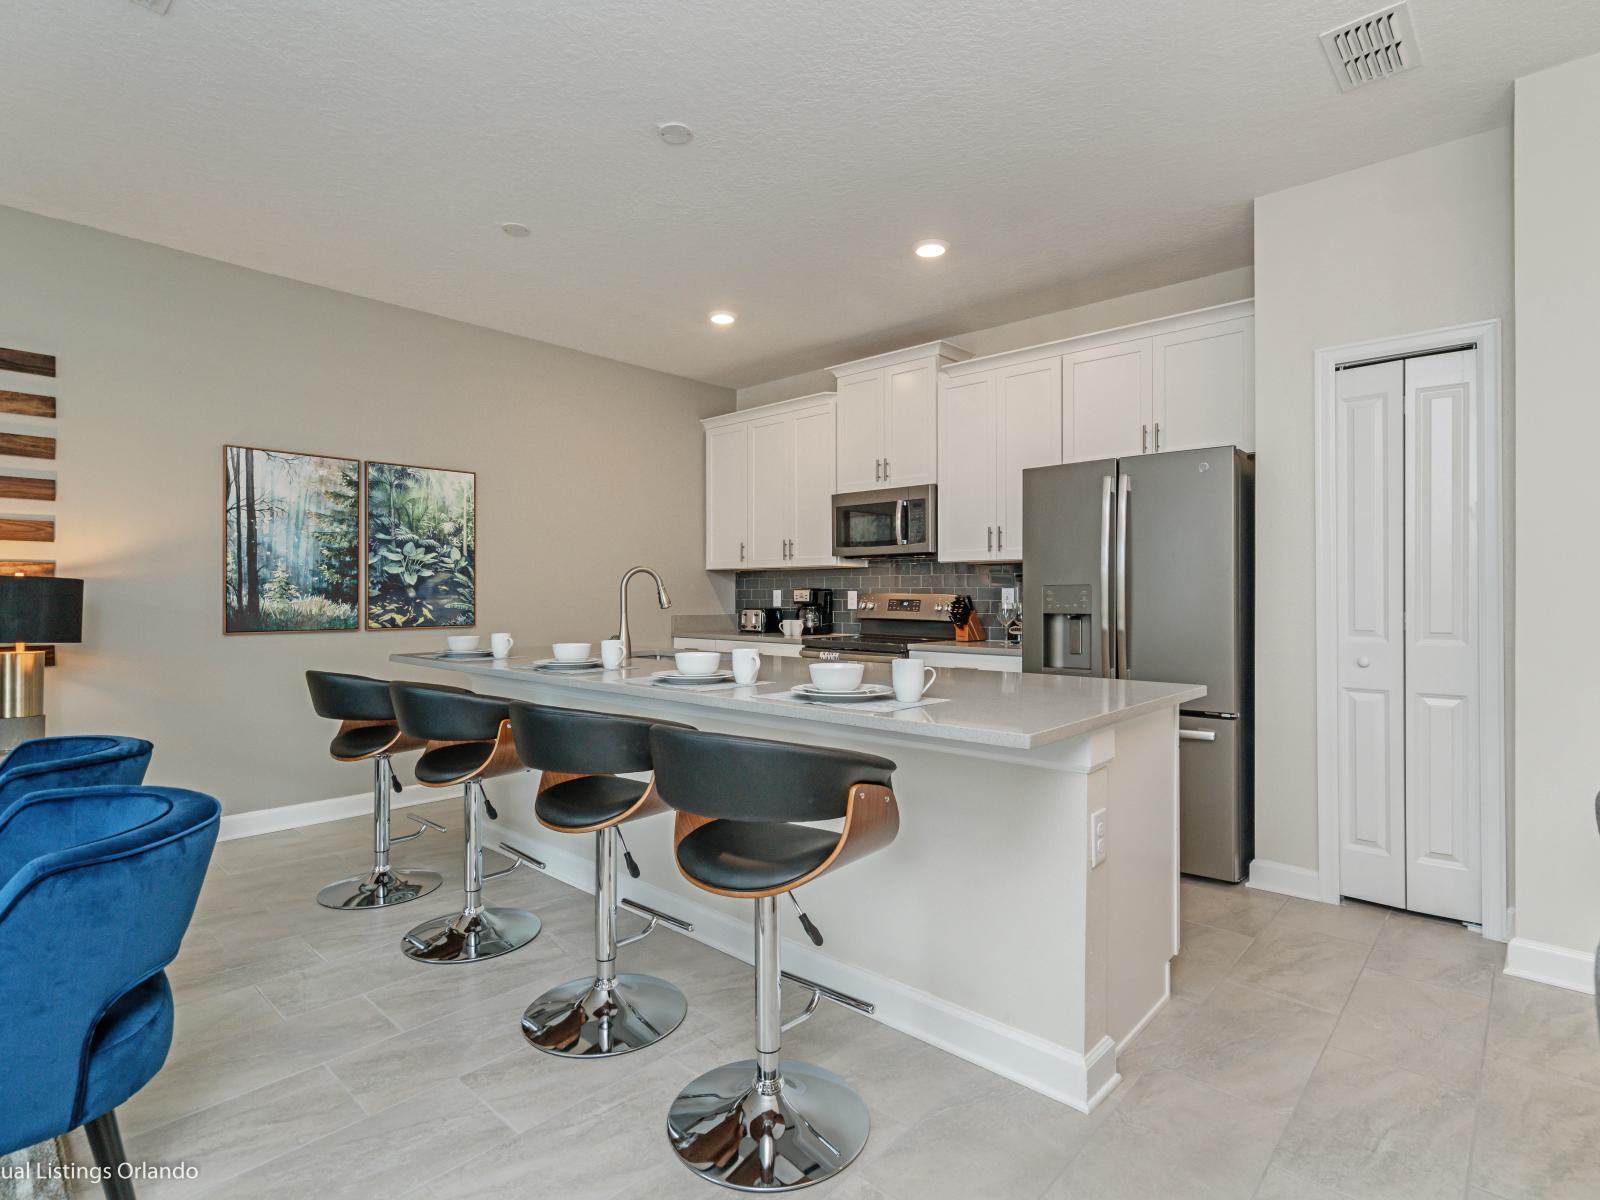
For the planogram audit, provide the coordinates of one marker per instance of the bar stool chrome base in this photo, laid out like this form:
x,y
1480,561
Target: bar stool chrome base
x,y
471,937
379,889
597,1018
724,1129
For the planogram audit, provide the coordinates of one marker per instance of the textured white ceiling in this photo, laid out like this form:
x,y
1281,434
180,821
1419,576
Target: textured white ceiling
x,y
1067,149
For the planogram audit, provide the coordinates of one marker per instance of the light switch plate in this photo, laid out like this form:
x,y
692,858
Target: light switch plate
x,y
850,599
1008,595
777,597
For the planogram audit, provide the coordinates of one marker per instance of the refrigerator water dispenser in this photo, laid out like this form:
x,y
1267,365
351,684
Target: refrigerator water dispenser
x,y
1067,609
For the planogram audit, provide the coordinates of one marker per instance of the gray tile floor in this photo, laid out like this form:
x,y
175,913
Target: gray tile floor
x,y
1308,1052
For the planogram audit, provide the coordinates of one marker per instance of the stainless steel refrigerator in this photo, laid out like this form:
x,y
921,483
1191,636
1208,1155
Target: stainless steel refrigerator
x,y
1141,568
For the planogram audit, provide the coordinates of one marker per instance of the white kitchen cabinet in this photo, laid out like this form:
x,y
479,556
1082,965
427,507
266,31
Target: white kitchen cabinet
x,y
770,485
1106,401
1203,386
727,496
911,424
993,425
813,485
1027,434
772,490
967,468
859,453
888,417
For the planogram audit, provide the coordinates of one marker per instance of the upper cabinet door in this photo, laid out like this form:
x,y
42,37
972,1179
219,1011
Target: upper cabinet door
x,y
911,443
1205,387
967,468
1107,401
727,496
1028,403
771,490
859,455
813,485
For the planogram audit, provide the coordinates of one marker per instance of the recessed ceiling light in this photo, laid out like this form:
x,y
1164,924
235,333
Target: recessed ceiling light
x,y
675,134
723,318
932,248
514,229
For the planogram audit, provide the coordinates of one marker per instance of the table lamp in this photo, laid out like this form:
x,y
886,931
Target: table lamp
x,y
33,608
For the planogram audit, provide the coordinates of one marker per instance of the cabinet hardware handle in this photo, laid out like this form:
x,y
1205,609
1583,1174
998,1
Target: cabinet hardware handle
x,y
1000,537
991,540
1144,438
1158,435
886,470
741,551
877,470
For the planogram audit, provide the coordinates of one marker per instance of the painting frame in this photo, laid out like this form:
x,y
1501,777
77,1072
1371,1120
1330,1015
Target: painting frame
x,y
230,524
469,539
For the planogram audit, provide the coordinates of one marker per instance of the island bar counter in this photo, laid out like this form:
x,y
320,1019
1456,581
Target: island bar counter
x,y
982,929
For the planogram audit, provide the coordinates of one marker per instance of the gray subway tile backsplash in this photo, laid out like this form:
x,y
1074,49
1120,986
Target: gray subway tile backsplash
x,y
981,581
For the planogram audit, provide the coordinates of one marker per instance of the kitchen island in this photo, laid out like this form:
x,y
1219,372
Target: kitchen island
x,y
983,929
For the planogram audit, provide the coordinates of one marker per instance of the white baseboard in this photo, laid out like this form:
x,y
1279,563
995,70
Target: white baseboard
x,y
315,812
1078,1080
1269,876
1544,963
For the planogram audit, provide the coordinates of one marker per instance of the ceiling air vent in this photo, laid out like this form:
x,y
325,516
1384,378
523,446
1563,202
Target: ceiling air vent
x,y
1377,46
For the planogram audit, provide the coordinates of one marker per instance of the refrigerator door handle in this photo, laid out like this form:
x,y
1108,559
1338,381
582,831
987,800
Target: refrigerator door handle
x,y
1197,735
1124,491
1107,667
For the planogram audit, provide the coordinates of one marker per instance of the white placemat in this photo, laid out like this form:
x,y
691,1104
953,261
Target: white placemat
x,y
867,706
726,685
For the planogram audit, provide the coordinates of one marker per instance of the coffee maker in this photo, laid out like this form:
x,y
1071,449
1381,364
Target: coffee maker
x,y
814,609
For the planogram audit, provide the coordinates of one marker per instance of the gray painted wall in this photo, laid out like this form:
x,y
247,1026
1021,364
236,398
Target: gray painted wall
x,y
164,357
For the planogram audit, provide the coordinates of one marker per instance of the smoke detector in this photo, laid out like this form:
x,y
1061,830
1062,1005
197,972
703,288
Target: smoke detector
x,y
1377,46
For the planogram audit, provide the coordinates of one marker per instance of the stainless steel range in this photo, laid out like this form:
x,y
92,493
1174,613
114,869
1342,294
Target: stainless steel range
x,y
891,624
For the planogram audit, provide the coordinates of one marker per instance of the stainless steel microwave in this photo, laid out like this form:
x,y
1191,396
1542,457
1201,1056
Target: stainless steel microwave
x,y
886,521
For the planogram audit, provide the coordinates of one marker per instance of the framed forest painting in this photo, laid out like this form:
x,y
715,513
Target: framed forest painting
x,y
422,547
291,541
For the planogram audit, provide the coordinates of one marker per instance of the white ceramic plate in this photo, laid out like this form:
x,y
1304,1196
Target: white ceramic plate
x,y
464,654
680,678
567,664
867,691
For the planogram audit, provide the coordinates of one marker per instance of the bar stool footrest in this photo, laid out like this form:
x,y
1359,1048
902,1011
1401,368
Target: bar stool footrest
x,y
655,916
819,992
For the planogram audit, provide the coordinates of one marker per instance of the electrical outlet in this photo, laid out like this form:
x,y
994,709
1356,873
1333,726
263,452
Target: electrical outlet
x,y
850,601
1008,595
777,597
1097,837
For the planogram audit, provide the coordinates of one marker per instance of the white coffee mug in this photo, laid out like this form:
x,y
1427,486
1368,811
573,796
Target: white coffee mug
x,y
501,643
746,664
912,679
791,629
611,655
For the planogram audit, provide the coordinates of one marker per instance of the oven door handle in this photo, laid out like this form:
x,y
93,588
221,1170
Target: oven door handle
x,y
900,533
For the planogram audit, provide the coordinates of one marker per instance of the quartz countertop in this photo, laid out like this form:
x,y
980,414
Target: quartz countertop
x,y
979,708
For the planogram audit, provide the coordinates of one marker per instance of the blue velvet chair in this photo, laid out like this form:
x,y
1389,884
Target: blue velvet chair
x,y
97,886
72,762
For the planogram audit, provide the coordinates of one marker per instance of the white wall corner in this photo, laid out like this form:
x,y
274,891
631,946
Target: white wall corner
x,y
1286,880
1557,965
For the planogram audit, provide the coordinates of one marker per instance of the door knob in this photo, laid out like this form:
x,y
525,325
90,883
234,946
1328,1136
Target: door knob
x,y
1363,661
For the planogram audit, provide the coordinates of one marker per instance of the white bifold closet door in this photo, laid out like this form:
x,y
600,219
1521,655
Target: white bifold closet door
x,y
1409,809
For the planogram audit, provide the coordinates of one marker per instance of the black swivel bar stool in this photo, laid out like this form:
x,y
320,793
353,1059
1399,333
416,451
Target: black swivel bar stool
x,y
766,1125
469,740
368,730
581,756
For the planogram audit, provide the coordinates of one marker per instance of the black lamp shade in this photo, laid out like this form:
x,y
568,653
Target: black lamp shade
x,y
40,608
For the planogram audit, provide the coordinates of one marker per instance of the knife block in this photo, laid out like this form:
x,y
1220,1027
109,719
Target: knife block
x,y
972,630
